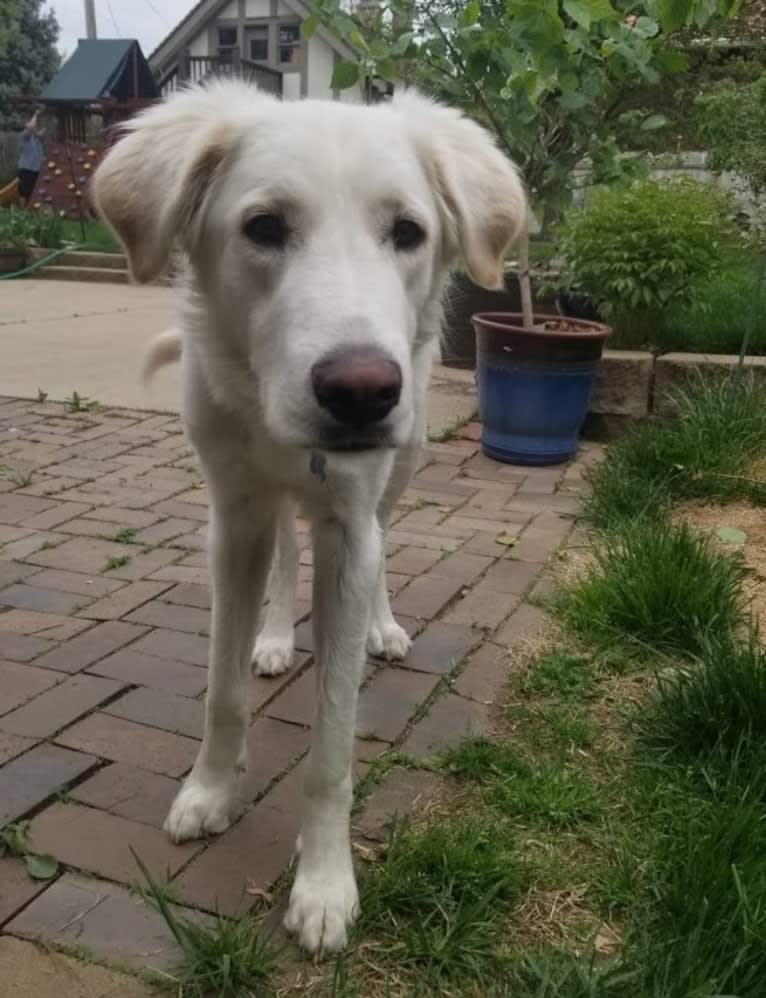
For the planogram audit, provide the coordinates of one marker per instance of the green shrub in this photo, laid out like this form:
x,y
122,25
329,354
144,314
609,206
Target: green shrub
x,y
637,251
718,316
19,228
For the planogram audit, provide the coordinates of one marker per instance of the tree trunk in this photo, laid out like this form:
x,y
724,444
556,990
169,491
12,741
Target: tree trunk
x,y
525,282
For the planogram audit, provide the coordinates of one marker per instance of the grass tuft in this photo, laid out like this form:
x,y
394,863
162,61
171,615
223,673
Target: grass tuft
x,y
702,449
658,587
713,712
707,931
549,794
439,897
228,959
560,674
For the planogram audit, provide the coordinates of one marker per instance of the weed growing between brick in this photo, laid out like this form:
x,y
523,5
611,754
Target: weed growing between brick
x,y
227,958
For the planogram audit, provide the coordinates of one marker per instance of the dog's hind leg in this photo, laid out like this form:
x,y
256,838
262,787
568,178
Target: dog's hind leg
x,y
274,646
241,547
385,638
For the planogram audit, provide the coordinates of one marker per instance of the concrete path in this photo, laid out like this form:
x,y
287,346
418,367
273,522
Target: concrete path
x,y
62,336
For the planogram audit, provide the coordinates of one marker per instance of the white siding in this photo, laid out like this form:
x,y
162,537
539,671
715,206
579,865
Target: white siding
x,y
320,67
257,8
200,45
291,86
230,11
284,11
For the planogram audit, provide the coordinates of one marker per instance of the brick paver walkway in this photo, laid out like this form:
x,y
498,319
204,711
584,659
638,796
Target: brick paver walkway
x,y
103,639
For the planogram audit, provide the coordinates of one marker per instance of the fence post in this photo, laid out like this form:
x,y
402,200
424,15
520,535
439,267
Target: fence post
x,y
185,66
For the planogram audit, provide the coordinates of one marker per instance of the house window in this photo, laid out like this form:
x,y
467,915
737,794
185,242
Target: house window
x,y
290,50
258,39
227,41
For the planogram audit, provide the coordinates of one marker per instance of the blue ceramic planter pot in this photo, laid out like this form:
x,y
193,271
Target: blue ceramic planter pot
x,y
535,384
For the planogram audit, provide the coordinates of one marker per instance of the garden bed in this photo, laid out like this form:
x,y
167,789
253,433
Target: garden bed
x,y
632,385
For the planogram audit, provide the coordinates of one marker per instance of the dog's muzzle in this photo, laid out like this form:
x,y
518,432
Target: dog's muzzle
x,y
358,387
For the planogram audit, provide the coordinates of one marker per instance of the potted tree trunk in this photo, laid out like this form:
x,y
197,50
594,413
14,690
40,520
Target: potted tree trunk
x,y
465,299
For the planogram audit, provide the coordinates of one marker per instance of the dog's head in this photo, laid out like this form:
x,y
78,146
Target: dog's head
x,y
319,234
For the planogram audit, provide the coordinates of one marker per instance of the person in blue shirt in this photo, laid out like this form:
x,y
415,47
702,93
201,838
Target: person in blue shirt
x,y
30,159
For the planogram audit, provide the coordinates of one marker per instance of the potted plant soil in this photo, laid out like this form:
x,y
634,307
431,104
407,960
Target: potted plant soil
x,y
464,299
534,381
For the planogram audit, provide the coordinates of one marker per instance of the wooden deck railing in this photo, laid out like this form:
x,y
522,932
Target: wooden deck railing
x,y
194,69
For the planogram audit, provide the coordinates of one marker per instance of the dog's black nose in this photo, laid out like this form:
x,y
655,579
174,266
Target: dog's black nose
x,y
357,385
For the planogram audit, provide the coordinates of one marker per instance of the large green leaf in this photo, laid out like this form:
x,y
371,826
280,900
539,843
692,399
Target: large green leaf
x,y
673,14
653,122
471,14
355,38
402,43
41,867
573,100
309,25
586,12
345,75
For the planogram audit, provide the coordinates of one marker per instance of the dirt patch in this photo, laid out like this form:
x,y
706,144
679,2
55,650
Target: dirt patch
x,y
751,520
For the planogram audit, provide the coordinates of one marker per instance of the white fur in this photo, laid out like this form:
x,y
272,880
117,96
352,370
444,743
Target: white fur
x,y
186,176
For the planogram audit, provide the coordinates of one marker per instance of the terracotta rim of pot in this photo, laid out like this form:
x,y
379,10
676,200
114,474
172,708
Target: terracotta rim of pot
x,y
504,322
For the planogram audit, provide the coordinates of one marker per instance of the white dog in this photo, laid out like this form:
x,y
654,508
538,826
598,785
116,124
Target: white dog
x,y
318,237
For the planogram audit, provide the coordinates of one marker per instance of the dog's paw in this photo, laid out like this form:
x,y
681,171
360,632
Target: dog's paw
x,y
388,641
200,809
272,656
322,908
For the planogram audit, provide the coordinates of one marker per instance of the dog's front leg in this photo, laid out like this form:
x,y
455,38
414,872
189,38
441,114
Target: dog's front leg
x,y
241,545
324,897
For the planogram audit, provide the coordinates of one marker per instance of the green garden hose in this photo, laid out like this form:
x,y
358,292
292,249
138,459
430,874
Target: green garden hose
x,y
39,263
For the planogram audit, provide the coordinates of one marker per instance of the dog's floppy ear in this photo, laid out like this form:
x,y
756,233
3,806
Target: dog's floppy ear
x,y
151,183
479,188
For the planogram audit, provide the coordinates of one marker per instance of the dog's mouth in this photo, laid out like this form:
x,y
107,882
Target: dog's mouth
x,y
341,440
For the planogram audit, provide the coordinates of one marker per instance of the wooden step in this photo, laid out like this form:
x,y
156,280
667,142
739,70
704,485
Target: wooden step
x,y
102,275
108,261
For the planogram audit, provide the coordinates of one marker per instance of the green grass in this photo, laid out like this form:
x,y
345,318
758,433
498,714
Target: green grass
x,y
713,713
703,449
554,973
560,673
439,896
81,403
721,313
704,929
96,237
549,794
118,561
227,958
569,725
656,587
453,431
125,536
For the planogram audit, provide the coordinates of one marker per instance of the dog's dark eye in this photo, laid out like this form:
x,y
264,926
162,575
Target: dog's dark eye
x,y
407,234
267,230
